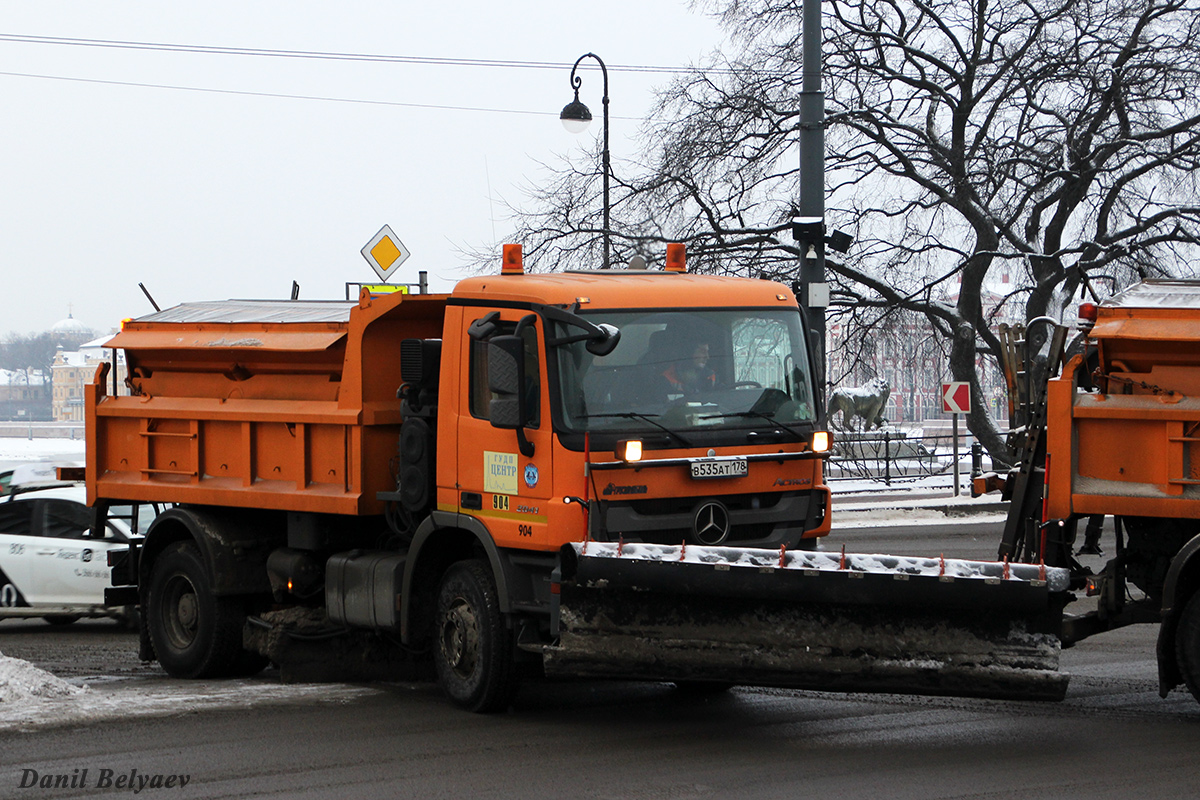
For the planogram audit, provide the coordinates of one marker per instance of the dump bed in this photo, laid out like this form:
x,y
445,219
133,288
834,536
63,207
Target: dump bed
x,y
286,405
1133,446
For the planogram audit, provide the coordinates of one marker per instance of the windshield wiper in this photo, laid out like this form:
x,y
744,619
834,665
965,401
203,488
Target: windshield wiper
x,y
759,415
644,418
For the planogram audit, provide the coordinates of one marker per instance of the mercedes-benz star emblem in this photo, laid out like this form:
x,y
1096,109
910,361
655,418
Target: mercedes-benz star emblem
x,y
711,523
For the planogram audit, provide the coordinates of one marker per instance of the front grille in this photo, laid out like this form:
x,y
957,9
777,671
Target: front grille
x,y
756,520
684,505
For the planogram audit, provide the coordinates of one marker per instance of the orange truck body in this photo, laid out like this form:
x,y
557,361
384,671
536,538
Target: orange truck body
x,y
1132,448
1121,441
613,473
420,464
296,415
302,414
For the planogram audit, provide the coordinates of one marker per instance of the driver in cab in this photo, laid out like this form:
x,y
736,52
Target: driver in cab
x,y
690,375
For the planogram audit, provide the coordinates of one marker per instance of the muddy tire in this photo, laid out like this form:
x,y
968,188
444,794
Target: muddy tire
x,y
195,633
1187,645
473,650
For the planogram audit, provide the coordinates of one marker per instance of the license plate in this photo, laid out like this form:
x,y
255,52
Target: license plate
x,y
725,468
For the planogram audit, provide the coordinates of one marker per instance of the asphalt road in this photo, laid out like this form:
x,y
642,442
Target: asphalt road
x,y
1112,737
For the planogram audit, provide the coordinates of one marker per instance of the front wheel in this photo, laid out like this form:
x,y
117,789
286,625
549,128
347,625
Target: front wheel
x,y
1187,645
473,652
195,633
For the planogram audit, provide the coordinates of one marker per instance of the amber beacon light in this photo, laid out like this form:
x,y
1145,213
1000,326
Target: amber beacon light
x,y
676,257
513,262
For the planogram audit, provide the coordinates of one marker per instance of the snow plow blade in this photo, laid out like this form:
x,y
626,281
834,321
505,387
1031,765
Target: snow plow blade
x,y
808,620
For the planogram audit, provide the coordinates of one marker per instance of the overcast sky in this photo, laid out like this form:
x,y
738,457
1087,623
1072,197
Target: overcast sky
x,y
116,169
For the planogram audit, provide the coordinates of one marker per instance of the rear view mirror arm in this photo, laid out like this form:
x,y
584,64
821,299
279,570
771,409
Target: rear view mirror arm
x,y
601,339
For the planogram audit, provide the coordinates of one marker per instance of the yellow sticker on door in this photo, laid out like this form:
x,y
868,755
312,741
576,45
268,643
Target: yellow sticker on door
x,y
499,472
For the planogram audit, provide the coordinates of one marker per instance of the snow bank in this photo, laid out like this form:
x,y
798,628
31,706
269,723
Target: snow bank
x,y
891,516
18,450
31,698
21,684
130,698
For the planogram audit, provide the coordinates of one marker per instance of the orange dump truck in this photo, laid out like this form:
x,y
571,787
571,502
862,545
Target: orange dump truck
x,y
613,473
1118,436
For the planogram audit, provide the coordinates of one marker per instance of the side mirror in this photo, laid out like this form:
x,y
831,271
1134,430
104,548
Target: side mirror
x,y
506,378
606,343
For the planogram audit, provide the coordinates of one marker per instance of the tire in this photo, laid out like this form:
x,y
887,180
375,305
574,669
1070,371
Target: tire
x,y
1187,645
473,650
61,619
195,633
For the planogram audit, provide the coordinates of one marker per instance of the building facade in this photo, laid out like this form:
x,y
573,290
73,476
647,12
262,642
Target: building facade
x,y
24,396
72,371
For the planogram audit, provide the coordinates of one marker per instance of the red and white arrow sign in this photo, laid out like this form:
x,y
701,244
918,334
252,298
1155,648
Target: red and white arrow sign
x,y
956,397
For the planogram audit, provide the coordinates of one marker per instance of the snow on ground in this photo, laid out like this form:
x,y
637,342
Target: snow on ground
x,y
849,517
15,450
39,699
22,684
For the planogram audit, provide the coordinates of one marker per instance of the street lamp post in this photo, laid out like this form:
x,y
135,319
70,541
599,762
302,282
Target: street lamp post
x,y
575,118
811,212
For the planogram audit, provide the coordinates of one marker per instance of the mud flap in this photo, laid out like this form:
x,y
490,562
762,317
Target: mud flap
x,y
810,620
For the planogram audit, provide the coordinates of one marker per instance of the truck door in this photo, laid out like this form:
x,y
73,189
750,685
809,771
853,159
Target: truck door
x,y
508,490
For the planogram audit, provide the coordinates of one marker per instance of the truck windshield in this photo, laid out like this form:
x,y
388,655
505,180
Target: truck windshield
x,y
689,370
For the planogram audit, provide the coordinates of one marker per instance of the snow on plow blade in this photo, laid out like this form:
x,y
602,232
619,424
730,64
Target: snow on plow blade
x,y
852,623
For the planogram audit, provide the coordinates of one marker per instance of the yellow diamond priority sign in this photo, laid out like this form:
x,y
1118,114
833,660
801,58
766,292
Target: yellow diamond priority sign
x,y
385,252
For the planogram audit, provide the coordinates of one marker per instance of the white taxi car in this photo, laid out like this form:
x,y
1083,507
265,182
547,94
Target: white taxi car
x,y
50,565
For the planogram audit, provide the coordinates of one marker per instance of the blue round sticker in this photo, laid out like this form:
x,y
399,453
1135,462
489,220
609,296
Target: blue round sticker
x,y
531,475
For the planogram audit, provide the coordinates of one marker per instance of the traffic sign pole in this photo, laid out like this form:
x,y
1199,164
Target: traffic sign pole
x,y
956,399
956,477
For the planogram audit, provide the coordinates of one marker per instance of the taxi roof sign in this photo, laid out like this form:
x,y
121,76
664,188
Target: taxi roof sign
x,y
385,252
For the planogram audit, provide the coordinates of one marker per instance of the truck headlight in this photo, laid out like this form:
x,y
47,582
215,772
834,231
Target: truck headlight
x,y
629,450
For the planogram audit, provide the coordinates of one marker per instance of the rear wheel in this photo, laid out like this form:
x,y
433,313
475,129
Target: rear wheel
x,y
61,619
195,633
1187,645
473,650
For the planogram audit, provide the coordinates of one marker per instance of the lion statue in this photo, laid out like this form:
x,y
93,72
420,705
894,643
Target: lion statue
x,y
866,402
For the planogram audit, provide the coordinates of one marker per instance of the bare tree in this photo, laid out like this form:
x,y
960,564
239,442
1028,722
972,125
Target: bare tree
x,y
35,352
1056,140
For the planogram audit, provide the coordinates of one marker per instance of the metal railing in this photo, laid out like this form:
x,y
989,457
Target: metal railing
x,y
891,455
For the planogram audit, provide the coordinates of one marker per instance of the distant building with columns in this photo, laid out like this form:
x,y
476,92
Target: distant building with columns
x,y
74,370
